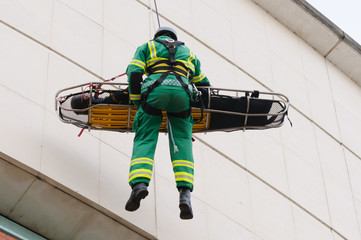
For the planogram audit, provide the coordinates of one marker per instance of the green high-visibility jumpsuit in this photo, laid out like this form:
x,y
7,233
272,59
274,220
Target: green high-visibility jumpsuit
x,y
170,96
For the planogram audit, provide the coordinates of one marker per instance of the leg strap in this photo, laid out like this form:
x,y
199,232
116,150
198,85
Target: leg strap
x,y
183,114
151,110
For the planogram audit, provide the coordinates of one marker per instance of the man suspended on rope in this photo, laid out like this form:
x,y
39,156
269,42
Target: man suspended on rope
x,y
171,68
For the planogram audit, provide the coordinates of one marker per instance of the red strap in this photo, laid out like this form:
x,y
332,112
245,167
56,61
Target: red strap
x,y
100,86
113,78
81,132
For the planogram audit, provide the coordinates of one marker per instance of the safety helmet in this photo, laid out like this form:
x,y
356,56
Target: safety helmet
x,y
166,31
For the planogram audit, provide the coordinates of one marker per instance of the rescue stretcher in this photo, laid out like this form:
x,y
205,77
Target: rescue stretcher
x,y
106,106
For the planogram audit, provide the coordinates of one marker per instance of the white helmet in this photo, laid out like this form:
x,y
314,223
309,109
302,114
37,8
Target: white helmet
x,y
166,31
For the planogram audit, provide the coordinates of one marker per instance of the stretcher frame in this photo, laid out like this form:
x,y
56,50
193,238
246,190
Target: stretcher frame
x,y
199,127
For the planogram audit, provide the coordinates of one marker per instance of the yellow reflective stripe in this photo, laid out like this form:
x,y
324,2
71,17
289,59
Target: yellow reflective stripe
x,y
151,61
140,170
198,78
183,173
136,159
191,57
135,96
141,160
188,64
162,65
140,173
155,50
152,50
162,71
182,74
183,176
185,180
181,68
183,163
138,63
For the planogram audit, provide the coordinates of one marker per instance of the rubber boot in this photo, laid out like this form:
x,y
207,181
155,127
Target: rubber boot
x,y
138,193
185,203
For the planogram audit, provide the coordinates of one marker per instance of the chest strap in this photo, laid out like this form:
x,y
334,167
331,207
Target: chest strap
x,y
163,66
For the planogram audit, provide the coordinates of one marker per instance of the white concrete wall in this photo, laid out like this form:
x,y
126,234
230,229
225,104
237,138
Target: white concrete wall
x,y
289,183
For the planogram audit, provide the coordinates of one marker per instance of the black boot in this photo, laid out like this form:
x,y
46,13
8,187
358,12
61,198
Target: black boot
x,y
185,203
139,192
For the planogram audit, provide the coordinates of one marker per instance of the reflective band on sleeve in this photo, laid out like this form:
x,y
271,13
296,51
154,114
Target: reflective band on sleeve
x,y
191,57
183,163
138,63
135,96
187,64
146,173
141,160
198,78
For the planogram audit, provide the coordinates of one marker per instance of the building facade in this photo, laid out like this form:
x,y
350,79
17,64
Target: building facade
x,y
300,182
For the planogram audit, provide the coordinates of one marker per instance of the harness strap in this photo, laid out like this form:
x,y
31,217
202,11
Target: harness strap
x,y
164,66
146,107
170,66
183,114
154,111
171,45
151,110
184,85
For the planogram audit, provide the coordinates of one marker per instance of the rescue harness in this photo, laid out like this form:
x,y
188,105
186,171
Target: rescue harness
x,y
167,67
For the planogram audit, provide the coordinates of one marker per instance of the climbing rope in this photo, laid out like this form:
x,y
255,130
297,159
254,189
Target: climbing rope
x,y
151,13
156,10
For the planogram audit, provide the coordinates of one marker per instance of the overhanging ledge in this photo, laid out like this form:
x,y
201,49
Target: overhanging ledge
x,y
319,32
53,211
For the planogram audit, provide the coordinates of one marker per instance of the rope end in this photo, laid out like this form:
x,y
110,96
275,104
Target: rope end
x,y
176,150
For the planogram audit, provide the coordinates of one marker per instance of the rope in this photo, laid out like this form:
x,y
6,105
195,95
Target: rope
x,y
152,22
156,9
176,150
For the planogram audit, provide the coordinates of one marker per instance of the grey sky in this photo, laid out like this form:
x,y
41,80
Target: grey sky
x,y
344,13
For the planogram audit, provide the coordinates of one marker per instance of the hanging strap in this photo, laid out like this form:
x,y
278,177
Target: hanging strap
x,y
171,45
